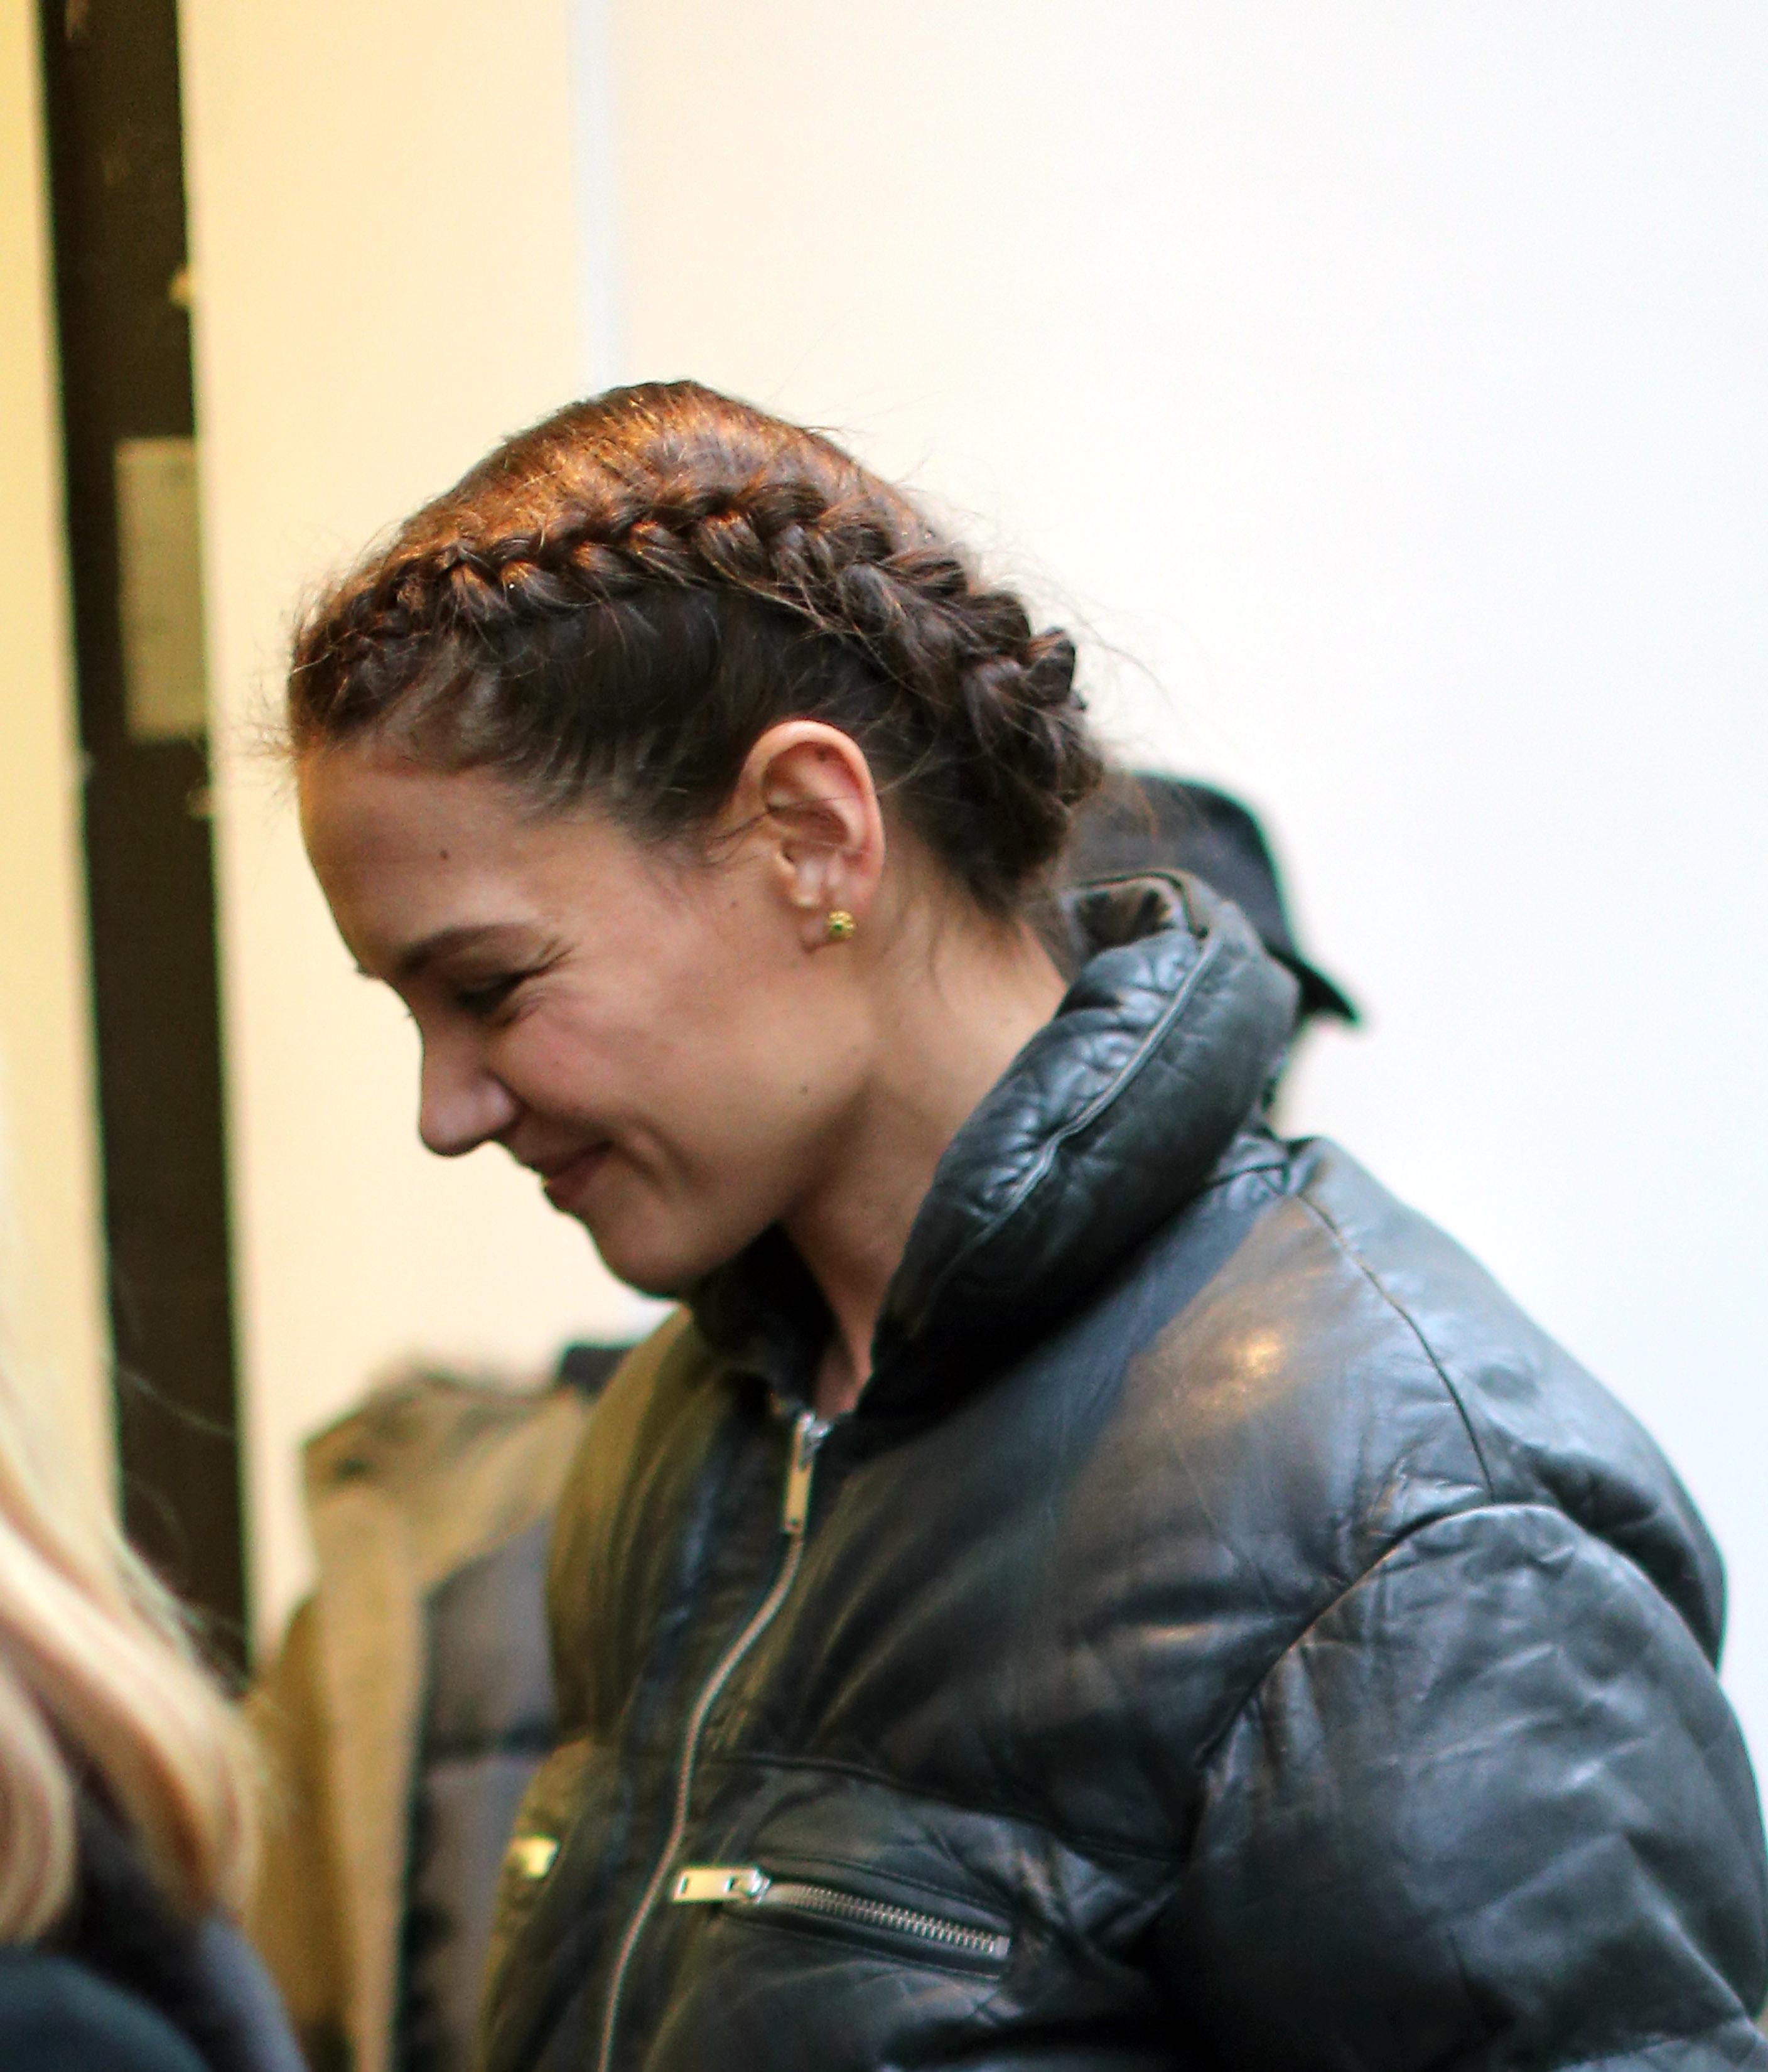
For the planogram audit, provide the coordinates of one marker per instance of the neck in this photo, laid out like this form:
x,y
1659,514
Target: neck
x,y
963,1007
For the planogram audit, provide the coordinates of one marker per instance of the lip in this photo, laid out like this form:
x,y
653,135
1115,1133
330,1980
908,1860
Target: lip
x,y
563,1182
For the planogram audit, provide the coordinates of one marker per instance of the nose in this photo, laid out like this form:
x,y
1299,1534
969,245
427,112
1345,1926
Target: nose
x,y
461,1105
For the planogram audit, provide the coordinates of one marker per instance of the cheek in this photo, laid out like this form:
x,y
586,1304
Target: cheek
x,y
731,1038
747,1097
554,1060
709,1065
727,1154
722,1106
716,1055
770,1054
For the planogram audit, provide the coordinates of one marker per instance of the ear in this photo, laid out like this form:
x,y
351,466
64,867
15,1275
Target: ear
x,y
806,793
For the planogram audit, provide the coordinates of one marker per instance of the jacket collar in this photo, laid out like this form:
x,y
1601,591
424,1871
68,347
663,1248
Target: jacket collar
x,y
1109,1120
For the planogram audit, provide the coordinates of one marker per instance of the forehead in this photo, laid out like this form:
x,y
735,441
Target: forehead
x,y
401,853
364,814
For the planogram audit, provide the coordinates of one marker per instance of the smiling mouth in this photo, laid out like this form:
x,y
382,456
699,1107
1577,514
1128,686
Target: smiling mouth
x,y
562,1184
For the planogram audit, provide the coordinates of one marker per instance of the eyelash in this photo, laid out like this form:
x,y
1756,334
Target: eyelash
x,y
484,1001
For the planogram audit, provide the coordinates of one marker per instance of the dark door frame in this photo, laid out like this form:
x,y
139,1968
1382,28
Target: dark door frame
x,y
111,95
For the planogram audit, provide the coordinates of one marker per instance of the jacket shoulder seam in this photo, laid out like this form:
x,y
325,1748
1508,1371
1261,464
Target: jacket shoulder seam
x,y
1499,1507
1355,1259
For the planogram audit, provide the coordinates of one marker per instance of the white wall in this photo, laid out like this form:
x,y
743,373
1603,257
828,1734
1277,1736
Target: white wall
x,y
1386,382
54,1349
384,220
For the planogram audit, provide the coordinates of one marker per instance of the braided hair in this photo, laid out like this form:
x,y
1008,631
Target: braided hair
x,y
621,601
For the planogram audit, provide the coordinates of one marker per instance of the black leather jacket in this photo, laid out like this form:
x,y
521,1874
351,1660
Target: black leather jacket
x,y
1227,1633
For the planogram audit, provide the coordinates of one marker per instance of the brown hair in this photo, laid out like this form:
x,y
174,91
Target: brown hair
x,y
622,600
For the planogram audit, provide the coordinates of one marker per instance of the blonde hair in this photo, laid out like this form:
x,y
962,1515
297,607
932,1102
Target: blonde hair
x,y
99,1681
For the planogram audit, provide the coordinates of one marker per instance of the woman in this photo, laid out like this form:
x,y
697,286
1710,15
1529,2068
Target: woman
x,y
126,1813
1079,1581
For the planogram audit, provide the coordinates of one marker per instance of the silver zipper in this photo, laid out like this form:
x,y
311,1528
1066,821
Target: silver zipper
x,y
747,1884
808,1432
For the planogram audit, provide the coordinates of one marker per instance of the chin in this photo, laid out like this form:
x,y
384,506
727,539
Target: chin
x,y
663,1264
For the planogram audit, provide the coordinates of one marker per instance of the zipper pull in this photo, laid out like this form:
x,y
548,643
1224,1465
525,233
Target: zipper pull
x,y
808,1434
707,1884
532,1854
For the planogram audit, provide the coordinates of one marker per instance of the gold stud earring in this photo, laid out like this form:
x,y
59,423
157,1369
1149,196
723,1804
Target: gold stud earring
x,y
841,926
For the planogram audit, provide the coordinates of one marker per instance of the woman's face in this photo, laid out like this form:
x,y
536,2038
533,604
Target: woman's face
x,y
661,1038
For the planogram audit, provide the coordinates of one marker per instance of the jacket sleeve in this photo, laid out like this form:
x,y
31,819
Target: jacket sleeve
x,y
1490,1810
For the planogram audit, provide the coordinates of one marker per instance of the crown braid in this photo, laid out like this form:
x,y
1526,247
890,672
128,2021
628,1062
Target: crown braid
x,y
662,566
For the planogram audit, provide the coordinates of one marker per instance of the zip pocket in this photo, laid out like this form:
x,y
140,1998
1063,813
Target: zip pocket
x,y
745,1885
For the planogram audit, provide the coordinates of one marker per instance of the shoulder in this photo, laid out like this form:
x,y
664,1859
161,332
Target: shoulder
x,y
1339,1375
1544,1430
58,2016
1289,1392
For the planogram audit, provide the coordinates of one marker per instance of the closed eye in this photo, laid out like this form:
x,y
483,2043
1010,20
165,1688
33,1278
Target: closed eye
x,y
485,993
484,1001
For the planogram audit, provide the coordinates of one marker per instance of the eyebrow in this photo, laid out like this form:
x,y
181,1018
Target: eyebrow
x,y
447,942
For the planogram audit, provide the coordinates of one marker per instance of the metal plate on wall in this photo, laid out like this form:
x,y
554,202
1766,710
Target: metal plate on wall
x,y
160,589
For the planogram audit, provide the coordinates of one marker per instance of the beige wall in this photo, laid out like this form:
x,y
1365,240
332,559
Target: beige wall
x,y
383,222
51,1245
